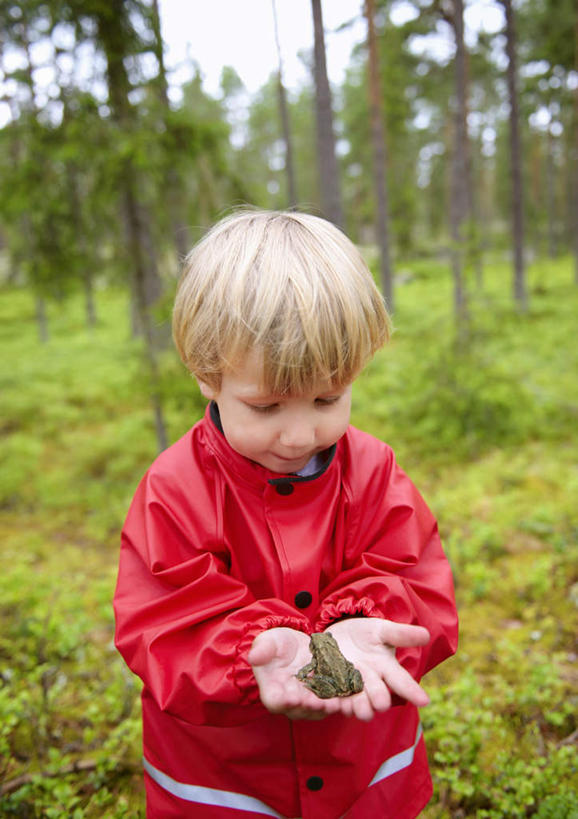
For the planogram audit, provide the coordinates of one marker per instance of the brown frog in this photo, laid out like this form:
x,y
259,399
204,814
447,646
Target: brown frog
x,y
329,674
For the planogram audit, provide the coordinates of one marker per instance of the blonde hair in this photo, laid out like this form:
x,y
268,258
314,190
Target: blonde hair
x,y
289,285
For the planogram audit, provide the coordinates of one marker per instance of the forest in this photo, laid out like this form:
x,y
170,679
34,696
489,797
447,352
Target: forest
x,y
456,173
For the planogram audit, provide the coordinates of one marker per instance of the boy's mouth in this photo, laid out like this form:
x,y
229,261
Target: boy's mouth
x,y
294,458
293,464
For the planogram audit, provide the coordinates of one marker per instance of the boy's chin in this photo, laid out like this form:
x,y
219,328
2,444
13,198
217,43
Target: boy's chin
x,y
284,466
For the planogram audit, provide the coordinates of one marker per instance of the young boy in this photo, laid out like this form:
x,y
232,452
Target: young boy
x,y
270,520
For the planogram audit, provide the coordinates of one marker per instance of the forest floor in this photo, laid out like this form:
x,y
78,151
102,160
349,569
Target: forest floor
x,y
485,424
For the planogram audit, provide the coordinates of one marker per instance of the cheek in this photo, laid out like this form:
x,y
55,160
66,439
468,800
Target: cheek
x,y
246,435
339,424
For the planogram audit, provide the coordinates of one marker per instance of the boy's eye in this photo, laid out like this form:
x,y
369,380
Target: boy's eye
x,y
263,408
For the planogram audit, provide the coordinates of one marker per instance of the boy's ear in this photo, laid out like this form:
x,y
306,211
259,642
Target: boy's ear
x,y
207,392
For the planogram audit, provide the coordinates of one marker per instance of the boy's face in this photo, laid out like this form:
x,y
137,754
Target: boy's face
x,y
280,433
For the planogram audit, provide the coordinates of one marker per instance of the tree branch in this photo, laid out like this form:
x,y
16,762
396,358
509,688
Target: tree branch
x,y
74,767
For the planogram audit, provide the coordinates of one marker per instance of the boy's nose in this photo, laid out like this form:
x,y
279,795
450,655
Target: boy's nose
x,y
297,435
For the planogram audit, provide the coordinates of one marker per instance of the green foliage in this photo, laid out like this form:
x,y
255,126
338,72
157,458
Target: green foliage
x,y
63,689
459,398
561,806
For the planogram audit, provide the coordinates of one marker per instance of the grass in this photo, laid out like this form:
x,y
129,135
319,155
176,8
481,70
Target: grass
x,y
487,429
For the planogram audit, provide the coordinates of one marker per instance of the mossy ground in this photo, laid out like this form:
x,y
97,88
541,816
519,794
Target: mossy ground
x,y
484,422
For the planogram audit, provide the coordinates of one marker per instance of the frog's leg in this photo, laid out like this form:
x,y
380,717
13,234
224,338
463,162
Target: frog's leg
x,y
303,672
356,681
325,687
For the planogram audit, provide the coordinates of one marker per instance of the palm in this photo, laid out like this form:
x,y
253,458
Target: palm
x,y
276,657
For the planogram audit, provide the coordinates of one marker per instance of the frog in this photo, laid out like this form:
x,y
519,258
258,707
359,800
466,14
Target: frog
x,y
329,674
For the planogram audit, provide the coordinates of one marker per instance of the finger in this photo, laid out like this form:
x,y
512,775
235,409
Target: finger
x,y
362,708
400,681
276,699
346,706
327,707
378,695
262,651
403,634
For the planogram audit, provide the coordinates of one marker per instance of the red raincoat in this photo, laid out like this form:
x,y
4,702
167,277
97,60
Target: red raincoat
x,y
215,549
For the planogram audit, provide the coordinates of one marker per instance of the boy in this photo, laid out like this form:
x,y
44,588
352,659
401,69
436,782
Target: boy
x,y
270,520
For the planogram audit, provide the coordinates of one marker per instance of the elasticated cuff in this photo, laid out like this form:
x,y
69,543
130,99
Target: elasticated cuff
x,y
331,612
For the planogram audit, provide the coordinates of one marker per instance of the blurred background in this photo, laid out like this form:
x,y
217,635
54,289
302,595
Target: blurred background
x,y
442,136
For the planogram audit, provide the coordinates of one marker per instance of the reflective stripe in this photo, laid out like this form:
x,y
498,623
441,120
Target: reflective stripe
x,y
208,796
239,801
398,762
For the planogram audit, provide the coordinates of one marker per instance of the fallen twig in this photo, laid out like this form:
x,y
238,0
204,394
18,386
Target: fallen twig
x,y
74,767
570,739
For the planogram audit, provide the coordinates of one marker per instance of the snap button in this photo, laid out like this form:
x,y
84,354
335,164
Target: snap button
x,y
284,488
314,783
303,599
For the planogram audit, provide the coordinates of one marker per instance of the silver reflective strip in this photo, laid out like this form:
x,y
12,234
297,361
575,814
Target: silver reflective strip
x,y
208,796
398,762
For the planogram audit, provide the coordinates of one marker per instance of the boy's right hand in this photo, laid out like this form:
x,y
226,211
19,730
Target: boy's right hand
x,y
276,656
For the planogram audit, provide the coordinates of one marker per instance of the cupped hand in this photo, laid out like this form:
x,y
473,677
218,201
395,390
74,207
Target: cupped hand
x,y
276,656
369,643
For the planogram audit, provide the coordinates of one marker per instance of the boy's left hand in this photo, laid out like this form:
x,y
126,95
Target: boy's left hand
x,y
369,643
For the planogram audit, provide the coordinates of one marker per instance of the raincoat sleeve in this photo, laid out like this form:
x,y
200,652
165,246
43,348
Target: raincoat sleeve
x,y
184,624
394,566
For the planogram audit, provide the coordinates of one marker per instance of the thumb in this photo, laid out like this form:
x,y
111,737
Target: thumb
x,y
263,650
402,634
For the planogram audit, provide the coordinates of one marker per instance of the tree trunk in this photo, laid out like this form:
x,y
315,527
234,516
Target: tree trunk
x,y
179,227
551,197
520,288
145,278
328,168
460,211
79,228
575,163
27,227
285,124
379,156
143,308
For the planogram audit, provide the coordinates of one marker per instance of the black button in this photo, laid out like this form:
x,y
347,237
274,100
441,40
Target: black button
x,y
303,599
314,783
284,488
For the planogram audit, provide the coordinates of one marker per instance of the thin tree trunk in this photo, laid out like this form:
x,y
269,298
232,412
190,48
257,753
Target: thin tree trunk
x,y
575,163
328,168
379,156
551,196
132,219
76,206
285,124
459,208
473,232
27,227
179,228
520,288
476,224
145,277
87,279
